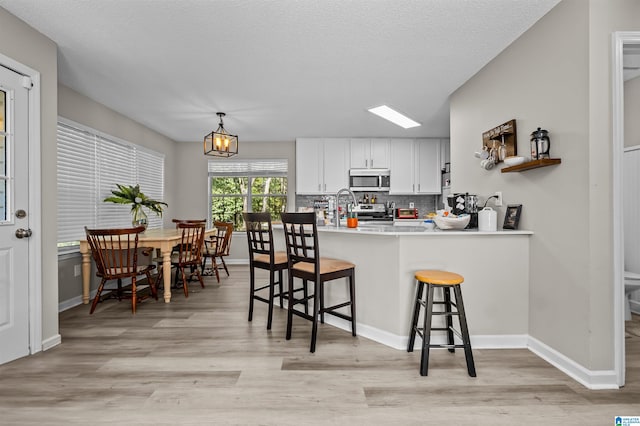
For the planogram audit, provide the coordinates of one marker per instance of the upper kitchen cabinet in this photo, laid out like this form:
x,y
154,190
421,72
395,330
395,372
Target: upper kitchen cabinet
x,y
322,165
402,167
369,153
428,171
415,166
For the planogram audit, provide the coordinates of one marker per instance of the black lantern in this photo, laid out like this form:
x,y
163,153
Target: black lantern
x,y
220,143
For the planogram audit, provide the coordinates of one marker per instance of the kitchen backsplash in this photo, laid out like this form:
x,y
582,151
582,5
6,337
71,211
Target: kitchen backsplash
x,y
424,203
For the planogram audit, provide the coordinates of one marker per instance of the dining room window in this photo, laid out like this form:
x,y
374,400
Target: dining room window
x,y
90,164
237,186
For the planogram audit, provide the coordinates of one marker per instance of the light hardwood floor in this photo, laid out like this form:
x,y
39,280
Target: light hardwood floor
x,y
197,361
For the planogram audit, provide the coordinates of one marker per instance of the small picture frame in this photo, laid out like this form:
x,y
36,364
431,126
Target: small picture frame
x,y
512,216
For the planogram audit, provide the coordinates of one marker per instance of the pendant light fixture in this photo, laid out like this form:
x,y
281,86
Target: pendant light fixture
x,y
220,143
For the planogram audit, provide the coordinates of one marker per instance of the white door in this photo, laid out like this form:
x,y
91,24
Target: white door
x,y
14,217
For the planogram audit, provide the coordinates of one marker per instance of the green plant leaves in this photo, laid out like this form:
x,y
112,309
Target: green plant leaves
x,y
128,194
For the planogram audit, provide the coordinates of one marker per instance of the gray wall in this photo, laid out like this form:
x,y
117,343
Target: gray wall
x,y
568,93
23,44
191,172
81,109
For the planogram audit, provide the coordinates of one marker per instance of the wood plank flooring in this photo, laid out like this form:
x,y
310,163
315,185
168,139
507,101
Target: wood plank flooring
x,y
198,361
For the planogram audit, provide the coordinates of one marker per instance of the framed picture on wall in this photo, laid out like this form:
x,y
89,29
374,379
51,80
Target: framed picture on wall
x,y
512,216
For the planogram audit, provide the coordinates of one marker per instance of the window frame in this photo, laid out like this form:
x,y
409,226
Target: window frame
x,y
275,168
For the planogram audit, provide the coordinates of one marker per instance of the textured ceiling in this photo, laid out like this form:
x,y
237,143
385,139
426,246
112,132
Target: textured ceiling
x,y
280,69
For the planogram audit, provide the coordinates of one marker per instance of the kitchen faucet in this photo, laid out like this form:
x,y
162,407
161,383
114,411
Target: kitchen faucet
x,y
353,197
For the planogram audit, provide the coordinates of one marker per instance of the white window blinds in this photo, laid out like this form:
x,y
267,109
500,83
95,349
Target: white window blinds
x,y
90,164
250,168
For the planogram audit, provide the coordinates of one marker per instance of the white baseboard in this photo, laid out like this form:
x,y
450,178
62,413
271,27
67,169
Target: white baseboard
x,y
74,301
51,342
516,341
635,306
598,379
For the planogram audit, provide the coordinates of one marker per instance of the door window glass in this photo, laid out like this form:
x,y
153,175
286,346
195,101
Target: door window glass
x,y
3,156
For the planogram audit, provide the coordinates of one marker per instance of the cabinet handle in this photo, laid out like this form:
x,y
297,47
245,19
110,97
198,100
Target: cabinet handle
x,y
372,163
319,187
325,187
418,187
366,163
413,187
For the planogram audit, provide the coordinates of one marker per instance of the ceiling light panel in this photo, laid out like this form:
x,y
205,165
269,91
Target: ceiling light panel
x,y
394,116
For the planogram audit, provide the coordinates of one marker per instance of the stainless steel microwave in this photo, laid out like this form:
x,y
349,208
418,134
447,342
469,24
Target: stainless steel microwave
x,y
369,179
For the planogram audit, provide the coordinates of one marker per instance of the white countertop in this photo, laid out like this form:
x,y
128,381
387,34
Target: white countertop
x,y
404,230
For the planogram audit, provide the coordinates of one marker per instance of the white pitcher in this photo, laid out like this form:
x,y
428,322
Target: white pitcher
x,y
487,219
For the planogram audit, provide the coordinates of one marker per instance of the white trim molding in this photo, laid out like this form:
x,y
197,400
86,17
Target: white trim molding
x,y
605,379
596,380
35,208
618,40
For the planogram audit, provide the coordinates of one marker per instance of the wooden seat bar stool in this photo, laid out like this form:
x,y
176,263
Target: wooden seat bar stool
x,y
305,262
446,281
262,255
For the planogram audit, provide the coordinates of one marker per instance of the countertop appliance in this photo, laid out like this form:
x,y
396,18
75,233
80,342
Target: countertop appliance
x,y
369,179
372,212
465,203
402,213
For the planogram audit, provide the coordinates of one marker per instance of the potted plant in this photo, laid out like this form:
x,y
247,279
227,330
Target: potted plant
x,y
128,194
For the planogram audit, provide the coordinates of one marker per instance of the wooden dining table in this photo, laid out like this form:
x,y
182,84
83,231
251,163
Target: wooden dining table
x,y
161,239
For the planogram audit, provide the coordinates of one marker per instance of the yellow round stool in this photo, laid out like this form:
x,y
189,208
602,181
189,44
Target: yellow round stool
x,y
446,281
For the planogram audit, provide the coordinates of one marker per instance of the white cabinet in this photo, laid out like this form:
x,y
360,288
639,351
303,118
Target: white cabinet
x,y
415,166
322,165
369,153
428,171
402,167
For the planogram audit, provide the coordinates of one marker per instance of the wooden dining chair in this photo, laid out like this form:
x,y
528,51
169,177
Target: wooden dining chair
x,y
115,252
305,262
217,246
188,253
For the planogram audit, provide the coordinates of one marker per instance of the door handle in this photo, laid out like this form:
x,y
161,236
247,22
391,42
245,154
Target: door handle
x,y
23,233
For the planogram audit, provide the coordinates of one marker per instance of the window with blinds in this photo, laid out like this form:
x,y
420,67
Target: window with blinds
x,y
236,186
90,163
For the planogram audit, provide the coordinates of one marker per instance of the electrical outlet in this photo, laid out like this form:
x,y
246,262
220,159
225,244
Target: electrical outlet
x,y
77,270
499,199
411,205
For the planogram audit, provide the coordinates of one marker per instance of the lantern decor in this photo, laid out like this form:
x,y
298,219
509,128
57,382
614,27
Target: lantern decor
x,y
220,143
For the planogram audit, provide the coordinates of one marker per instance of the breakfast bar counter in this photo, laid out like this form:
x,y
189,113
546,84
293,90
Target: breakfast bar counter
x,y
495,266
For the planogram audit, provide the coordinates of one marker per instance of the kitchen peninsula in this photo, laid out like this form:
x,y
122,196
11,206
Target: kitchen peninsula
x,y
495,266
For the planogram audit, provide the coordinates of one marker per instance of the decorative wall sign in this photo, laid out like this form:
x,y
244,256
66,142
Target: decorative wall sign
x,y
494,139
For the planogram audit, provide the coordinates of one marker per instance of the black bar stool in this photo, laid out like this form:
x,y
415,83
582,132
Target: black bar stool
x,y
446,281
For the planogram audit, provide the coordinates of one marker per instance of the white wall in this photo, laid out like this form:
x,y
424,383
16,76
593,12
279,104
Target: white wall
x,y
556,76
23,44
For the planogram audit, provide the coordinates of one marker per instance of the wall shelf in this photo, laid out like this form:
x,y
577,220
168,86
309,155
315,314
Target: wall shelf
x,y
544,162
